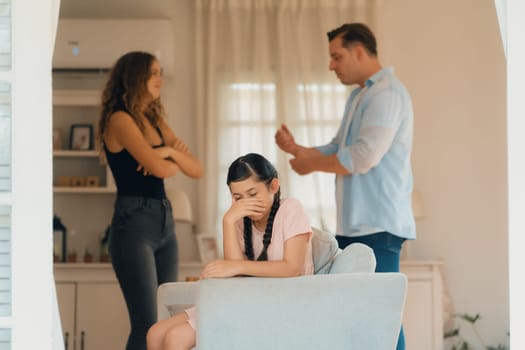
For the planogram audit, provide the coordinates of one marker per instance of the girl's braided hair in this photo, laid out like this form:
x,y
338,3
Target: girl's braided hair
x,y
253,164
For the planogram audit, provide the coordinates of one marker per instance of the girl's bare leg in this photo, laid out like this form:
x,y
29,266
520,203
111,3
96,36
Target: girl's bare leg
x,y
157,332
180,337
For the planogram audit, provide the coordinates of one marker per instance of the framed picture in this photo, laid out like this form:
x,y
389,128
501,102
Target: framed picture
x,y
81,137
92,181
208,248
78,181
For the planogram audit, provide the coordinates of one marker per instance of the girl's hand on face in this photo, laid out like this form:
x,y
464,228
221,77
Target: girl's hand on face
x,y
221,269
244,207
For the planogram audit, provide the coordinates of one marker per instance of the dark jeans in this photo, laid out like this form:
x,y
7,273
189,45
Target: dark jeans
x,y
387,249
144,255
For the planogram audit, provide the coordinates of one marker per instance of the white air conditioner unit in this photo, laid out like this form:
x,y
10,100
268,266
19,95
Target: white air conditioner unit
x,y
95,44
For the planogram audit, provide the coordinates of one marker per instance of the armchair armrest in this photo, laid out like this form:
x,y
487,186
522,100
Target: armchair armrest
x,y
174,297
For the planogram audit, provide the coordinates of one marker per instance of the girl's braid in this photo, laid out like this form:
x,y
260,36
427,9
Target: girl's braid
x,y
248,246
267,238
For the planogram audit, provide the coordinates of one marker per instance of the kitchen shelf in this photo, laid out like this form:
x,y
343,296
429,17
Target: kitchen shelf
x,y
76,97
71,153
82,190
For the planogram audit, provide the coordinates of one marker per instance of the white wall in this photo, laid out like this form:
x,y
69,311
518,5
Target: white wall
x,y
450,56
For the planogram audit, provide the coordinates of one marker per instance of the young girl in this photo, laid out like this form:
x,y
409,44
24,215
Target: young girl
x,y
263,236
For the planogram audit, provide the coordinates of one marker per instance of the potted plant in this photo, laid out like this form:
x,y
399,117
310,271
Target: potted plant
x,y
458,342
72,256
88,257
104,246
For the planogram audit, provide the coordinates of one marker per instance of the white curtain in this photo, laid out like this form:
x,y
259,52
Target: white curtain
x,y
261,63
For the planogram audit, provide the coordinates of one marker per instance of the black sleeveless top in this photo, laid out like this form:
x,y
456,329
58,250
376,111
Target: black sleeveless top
x,y
129,181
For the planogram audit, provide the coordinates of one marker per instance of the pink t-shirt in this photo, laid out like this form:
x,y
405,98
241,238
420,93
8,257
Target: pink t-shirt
x,y
290,220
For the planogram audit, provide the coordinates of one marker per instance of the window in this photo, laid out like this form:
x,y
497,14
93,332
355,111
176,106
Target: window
x,y
5,35
5,138
247,124
248,120
5,178
5,276
26,278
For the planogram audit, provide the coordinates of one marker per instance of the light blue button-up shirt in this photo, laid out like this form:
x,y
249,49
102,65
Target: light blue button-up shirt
x,y
376,196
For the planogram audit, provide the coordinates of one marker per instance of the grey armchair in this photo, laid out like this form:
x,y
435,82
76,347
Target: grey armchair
x,y
345,305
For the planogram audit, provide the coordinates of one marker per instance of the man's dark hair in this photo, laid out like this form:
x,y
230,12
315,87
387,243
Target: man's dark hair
x,y
355,33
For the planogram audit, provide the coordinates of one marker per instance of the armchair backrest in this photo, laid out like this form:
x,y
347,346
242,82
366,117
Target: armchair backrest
x,y
324,250
355,258
175,297
325,311
328,258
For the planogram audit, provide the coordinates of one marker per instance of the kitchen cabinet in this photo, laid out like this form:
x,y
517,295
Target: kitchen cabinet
x,y
102,318
92,309
66,295
423,313
93,315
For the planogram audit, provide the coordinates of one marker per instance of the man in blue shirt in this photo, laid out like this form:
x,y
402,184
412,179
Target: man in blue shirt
x,y
370,154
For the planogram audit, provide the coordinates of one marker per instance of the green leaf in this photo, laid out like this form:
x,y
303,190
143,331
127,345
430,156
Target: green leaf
x,y
452,333
469,318
464,346
499,347
461,343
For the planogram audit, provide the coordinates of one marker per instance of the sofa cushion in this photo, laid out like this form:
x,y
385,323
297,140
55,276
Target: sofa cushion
x,y
324,249
356,257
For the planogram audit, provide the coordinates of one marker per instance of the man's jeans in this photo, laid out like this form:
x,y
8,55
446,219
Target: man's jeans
x,y
387,249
